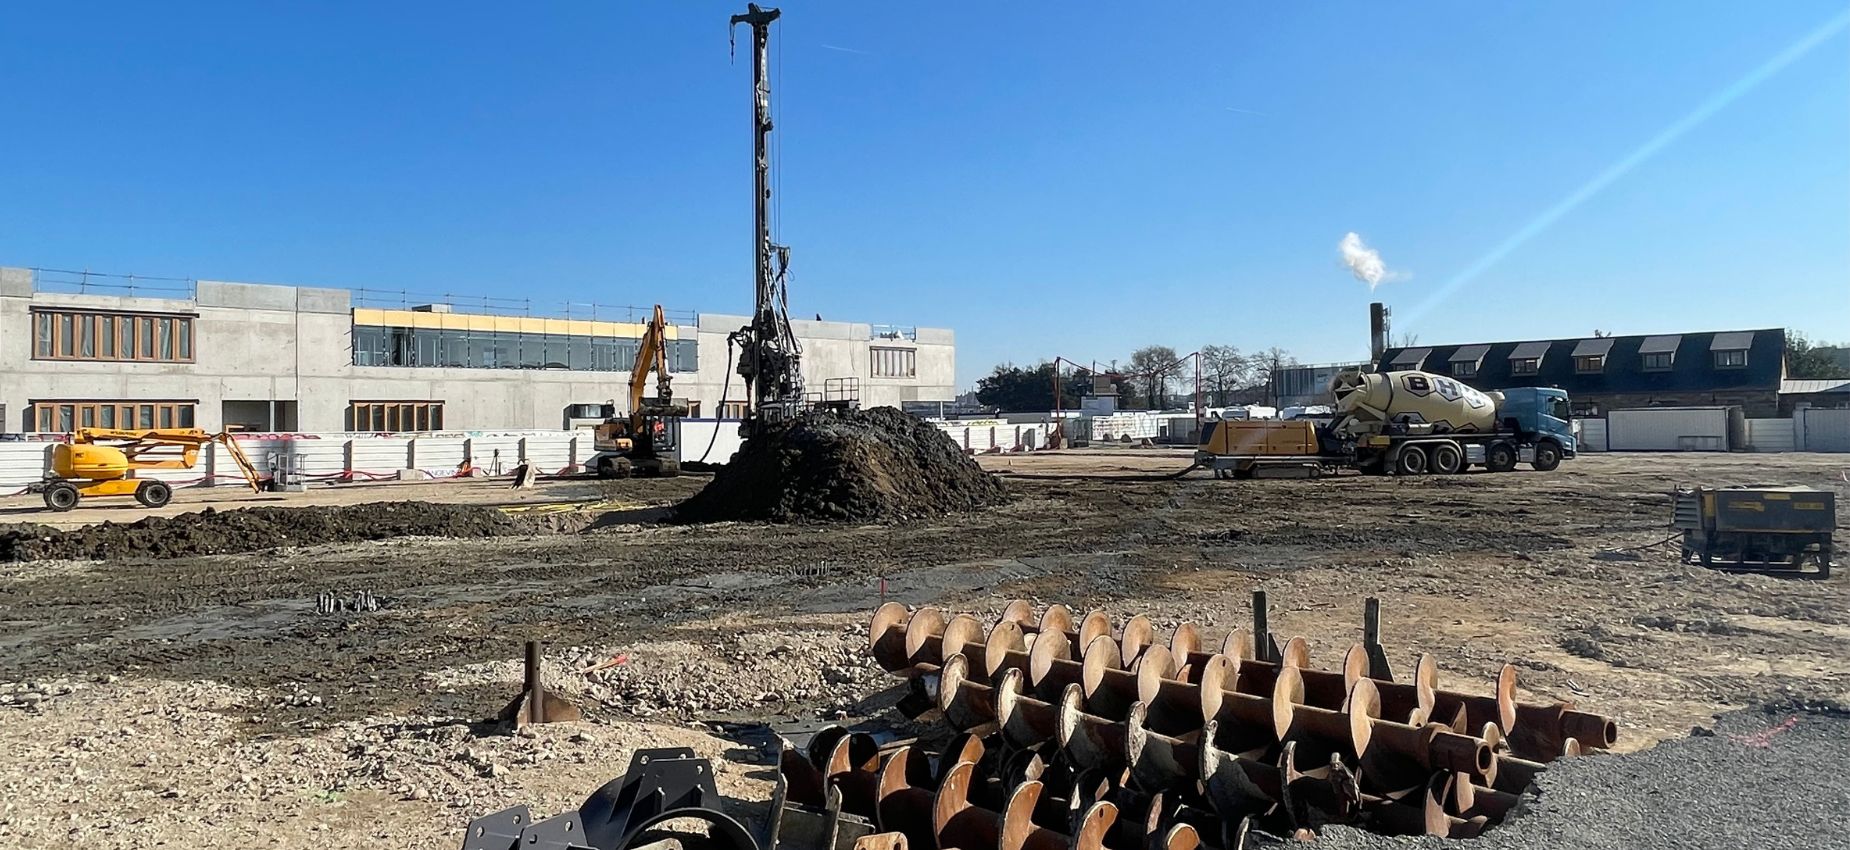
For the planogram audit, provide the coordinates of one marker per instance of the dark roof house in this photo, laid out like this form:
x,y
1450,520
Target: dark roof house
x,y
1709,362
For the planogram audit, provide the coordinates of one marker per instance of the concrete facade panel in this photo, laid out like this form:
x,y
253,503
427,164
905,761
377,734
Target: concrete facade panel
x,y
261,343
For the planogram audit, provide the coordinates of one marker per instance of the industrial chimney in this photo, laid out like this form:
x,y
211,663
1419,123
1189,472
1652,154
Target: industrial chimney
x,y
1377,331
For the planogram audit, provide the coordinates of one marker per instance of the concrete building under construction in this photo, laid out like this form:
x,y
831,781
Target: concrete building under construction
x,y
93,351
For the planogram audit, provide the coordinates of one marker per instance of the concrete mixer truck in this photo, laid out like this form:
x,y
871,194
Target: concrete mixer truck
x,y
1400,423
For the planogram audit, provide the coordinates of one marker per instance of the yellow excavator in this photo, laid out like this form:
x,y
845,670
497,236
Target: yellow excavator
x,y
103,462
642,441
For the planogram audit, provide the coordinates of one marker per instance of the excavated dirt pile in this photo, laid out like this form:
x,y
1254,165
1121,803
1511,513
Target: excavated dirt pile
x,y
868,465
211,532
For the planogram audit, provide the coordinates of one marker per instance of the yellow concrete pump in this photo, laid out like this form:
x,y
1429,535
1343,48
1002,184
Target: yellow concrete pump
x,y
103,462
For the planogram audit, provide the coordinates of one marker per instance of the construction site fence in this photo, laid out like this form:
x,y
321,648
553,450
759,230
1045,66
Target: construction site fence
x,y
983,436
332,457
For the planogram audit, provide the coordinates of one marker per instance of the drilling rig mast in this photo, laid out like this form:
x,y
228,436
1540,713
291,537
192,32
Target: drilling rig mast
x,y
769,357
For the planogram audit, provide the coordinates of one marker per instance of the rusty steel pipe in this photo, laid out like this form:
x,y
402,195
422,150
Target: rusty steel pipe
x,y
1017,611
1238,783
1411,702
853,767
1109,688
1248,717
1470,800
1005,648
1321,730
1051,667
1432,746
1137,635
1326,689
956,822
1093,742
1020,832
1186,640
969,705
1157,760
905,805
1542,731
1499,708
1026,720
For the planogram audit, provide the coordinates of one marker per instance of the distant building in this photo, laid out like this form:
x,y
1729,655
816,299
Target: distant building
x,y
1742,368
1305,386
89,351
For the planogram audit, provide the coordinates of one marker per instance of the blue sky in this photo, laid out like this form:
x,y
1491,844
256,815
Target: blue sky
x,y
1072,179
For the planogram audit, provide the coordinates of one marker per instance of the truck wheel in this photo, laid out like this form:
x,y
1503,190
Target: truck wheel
x,y
1412,461
1500,457
153,494
61,496
1547,456
1447,459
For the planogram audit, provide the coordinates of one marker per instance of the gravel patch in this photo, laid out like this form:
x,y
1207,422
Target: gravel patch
x,y
1760,779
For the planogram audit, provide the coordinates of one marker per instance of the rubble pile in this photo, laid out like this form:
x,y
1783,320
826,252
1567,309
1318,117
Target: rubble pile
x,y
868,465
1170,744
213,532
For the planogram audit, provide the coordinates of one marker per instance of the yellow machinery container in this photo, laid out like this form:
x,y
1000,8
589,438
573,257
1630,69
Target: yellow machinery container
x,y
1236,449
103,462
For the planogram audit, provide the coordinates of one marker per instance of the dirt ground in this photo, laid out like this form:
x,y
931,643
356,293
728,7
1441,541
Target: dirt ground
x,y
203,700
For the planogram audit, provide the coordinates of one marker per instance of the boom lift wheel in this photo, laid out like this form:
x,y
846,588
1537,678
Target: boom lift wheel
x,y
1412,461
1547,456
1447,459
153,494
1500,457
61,496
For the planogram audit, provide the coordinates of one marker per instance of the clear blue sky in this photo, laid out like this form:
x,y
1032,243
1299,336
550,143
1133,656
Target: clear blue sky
x,y
1075,178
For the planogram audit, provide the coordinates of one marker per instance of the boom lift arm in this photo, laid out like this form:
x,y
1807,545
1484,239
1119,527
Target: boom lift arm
x,y
103,462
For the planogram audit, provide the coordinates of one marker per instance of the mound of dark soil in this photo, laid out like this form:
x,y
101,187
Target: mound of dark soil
x,y
868,465
212,532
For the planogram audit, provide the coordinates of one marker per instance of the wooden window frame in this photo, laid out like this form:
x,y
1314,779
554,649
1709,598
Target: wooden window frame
x,y
1590,364
1526,366
48,416
1724,358
1464,369
394,417
73,334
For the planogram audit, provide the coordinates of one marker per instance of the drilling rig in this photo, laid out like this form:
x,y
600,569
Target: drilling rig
x,y
770,360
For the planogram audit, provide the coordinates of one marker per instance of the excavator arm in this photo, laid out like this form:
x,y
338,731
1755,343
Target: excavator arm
x,y
651,355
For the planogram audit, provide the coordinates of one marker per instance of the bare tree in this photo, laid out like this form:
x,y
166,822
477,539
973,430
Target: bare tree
x,y
1270,362
1223,370
1158,362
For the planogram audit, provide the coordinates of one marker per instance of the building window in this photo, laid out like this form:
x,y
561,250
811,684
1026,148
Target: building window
x,y
1730,359
1590,364
1464,369
64,416
1526,366
735,410
395,416
85,335
1658,361
465,349
895,362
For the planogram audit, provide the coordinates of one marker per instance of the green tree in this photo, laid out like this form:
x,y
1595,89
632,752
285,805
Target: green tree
x,y
1018,390
1806,360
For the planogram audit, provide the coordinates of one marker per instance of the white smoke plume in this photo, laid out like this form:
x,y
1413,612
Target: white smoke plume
x,y
1365,262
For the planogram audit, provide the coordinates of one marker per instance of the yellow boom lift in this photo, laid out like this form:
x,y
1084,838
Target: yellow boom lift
x,y
642,441
103,462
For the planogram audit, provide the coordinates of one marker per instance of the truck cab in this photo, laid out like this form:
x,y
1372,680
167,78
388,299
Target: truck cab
x,y
1538,413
